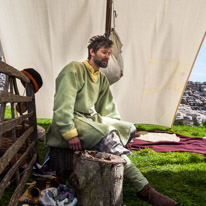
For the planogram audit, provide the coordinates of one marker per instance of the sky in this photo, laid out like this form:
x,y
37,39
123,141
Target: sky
x,y
198,73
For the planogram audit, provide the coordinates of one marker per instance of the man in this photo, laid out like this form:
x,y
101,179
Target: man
x,y
81,87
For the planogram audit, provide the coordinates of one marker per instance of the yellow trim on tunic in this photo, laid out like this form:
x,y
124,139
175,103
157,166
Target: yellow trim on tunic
x,y
70,134
93,73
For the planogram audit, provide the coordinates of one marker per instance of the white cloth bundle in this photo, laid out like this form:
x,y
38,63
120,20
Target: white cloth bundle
x,y
114,70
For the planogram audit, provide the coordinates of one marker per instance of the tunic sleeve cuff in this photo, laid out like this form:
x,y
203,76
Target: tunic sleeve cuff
x,y
70,134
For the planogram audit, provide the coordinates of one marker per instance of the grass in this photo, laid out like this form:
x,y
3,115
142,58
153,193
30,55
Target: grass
x,y
182,176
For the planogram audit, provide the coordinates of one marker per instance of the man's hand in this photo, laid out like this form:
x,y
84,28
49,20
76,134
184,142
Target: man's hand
x,y
75,143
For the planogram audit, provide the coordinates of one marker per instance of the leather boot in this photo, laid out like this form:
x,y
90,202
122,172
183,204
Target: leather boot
x,y
149,194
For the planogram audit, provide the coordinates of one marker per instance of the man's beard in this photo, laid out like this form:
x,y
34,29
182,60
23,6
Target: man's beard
x,y
101,63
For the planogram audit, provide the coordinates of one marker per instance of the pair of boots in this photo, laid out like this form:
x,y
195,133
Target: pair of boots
x,y
150,195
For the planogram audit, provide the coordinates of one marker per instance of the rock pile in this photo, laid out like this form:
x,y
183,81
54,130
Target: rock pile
x,y
192,110
2,81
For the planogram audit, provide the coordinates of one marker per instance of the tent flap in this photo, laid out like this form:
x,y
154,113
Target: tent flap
x,y
160,42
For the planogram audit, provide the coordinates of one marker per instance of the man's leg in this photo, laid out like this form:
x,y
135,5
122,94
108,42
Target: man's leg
x,y
133,174
111,144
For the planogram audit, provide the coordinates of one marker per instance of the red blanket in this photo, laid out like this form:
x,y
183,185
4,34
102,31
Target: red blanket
x,y
186,144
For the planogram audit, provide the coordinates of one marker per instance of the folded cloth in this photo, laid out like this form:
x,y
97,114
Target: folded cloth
x,y
154,137
186,144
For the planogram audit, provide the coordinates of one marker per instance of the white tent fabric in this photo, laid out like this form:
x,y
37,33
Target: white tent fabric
x,y
46,35
160,42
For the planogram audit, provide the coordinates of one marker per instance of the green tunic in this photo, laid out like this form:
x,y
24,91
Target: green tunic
x,y
78,90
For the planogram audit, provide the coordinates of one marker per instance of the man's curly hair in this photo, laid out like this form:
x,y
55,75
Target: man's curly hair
x,y
98,41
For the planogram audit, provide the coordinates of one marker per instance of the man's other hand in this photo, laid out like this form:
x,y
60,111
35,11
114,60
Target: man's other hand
x,y
75,143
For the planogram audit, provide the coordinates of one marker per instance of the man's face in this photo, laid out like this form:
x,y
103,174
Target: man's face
x,y
101,57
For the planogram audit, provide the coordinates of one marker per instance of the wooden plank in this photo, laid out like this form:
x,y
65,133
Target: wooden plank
x,y
17,194
8,176
8,155
8,97
12,123
32,108
11,71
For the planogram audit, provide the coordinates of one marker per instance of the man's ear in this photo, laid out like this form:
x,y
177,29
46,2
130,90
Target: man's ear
x,y
92,52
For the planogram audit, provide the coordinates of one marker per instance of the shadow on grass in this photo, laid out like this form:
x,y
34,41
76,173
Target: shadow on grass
x,y
186,187
4,201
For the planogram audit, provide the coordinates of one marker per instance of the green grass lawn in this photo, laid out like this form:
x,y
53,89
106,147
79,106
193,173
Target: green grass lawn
x,y
180,175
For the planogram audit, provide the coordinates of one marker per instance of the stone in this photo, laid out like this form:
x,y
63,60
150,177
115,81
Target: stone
x,y
192,110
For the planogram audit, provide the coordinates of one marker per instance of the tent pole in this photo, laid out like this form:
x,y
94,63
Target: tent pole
x,y
108,18
188,77
2,51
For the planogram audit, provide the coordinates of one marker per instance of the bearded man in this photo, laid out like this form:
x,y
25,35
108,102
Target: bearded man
x,y
85,116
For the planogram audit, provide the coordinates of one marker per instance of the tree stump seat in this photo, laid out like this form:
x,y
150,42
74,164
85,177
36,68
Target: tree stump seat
x,y
97,181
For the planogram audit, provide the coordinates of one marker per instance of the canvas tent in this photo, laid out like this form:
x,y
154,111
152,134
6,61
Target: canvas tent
x,y
161,39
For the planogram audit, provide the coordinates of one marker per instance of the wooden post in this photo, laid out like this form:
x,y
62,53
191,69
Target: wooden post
x,y
1,48
98,181
32,120
108,18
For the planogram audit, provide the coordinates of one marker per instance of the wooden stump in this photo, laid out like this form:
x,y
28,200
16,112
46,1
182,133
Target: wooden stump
x,y
98,181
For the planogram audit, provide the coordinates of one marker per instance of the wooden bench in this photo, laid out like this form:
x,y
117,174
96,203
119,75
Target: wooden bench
x,y
28,136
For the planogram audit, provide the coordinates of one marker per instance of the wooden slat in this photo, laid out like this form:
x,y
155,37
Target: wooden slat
x,y
11,71
3,106
8,97
30,133
15,197
15,87
11,83
32,108
8,176
17,93
8,155
12,123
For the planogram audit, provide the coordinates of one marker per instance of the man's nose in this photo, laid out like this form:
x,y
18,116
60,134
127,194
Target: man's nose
x,y
107,56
